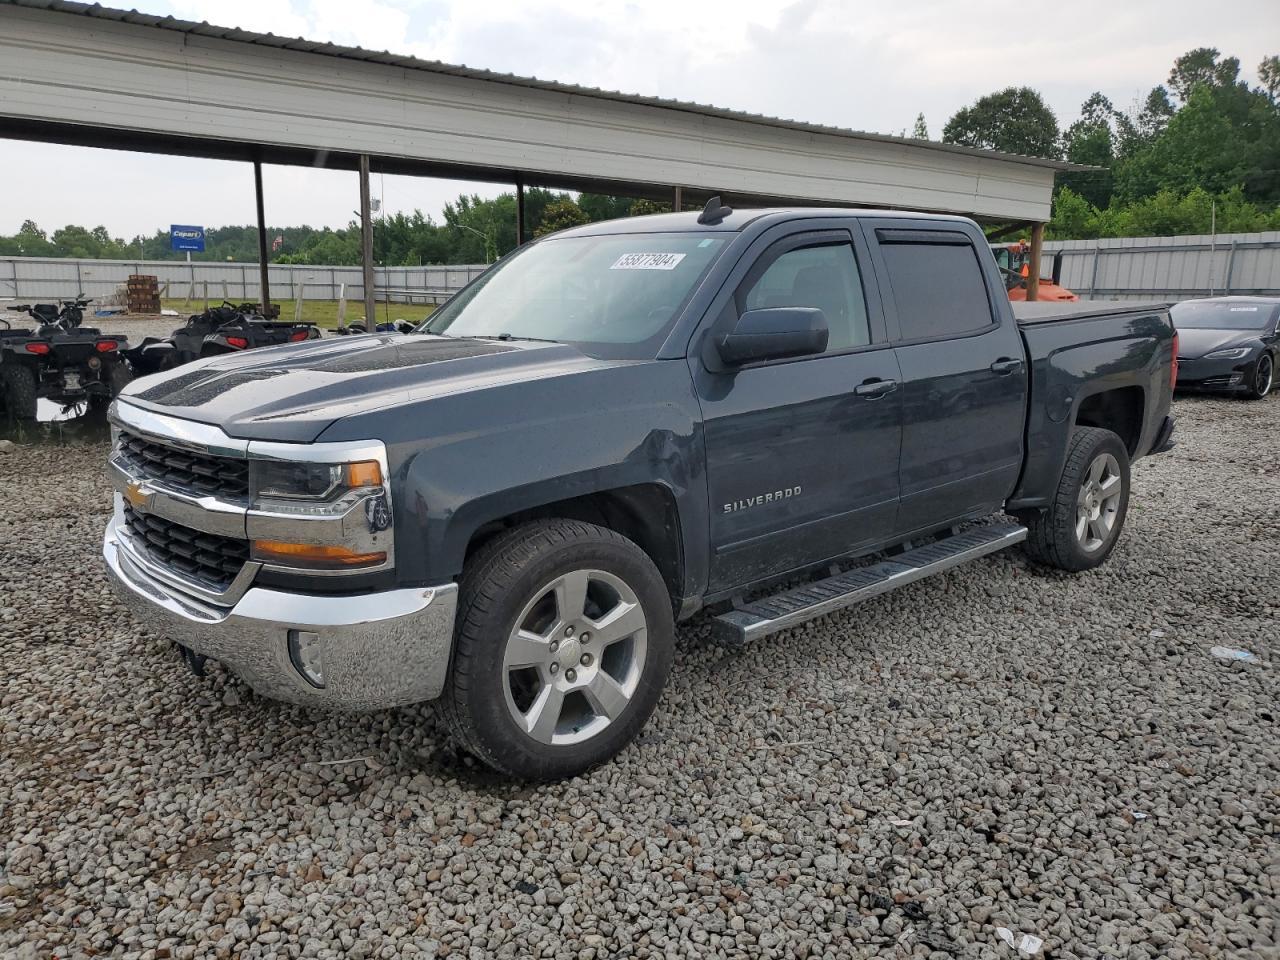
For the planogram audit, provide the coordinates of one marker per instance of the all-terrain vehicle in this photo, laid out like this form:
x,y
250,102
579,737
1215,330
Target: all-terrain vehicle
x,y
228,328
386,326
59,360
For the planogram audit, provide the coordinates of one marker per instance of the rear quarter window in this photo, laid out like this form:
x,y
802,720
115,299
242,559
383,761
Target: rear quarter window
x,y
937,288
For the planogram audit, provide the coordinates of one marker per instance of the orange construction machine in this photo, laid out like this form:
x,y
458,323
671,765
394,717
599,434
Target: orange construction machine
x,y
1014,261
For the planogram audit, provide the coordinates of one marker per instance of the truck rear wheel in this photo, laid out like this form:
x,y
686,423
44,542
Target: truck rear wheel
x,y
1080,528
563,643
18,386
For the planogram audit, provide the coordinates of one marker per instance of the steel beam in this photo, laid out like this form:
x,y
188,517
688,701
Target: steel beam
x,y
366,247
264,268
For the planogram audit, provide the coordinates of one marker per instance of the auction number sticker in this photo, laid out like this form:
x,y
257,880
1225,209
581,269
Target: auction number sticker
x,y
647,261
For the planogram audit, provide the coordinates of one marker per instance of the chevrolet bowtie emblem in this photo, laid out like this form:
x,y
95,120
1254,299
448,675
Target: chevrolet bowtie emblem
x,y
136,495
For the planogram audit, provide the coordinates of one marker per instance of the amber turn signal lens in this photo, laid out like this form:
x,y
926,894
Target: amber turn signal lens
x,y
364,473
313,555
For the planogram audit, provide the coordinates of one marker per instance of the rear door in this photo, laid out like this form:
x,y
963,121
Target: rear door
x,y
802,454
964,373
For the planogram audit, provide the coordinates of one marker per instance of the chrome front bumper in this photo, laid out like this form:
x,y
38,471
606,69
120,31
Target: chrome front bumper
x,y
378,650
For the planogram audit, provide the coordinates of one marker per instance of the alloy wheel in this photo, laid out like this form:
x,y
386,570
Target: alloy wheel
x,y
1264,376
1098,503
575,657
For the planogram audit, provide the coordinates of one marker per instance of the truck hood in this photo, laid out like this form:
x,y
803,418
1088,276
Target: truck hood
x,y
1195,342
293,393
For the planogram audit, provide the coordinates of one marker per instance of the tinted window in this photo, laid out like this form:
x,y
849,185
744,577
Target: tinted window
x,y
938,289
825,277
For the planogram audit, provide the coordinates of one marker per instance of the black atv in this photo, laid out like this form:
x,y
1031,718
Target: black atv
x,y
387,326
59,359
225,329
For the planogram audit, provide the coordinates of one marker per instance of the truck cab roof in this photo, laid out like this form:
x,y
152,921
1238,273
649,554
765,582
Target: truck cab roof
x,y
738,220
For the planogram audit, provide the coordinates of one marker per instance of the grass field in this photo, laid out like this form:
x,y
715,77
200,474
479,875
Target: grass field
x,y
323,313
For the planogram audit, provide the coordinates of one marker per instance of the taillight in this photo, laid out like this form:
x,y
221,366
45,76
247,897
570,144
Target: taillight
x,y
106,346
238,342
38,348
1173,366
298,336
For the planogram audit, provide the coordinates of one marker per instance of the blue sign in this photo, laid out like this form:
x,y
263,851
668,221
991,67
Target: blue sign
x,y
182,237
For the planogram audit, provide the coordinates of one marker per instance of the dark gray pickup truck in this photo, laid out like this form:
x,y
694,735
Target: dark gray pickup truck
x,y
767,414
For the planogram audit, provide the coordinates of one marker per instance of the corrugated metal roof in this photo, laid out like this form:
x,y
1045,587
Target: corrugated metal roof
x,y
387,58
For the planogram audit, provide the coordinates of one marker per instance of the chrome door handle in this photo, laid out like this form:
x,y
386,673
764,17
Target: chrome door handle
x,y
874,389
1005,366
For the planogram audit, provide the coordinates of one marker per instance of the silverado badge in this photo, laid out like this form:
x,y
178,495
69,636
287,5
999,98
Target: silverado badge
x,y
760,499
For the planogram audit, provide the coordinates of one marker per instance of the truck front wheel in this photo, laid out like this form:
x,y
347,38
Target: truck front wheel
x,y
1080,528
563,643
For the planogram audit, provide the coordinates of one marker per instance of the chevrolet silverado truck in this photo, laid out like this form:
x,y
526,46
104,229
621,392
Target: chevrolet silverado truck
x,y
767,415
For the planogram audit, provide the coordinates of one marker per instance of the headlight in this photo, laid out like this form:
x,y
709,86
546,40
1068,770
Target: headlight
x,y
319,516
1234,353
290,480
314,489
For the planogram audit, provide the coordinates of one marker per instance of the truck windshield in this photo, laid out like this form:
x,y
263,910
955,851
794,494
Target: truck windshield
x,y
612,296
1220,315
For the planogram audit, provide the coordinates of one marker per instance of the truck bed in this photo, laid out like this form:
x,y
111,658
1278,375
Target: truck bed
x,y
1049,312
1078,348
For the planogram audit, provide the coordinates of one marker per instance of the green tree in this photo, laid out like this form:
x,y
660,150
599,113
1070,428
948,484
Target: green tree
x,y
1269,76
643,207
1074,217
1092,140
33,242
920,131
599,207
1014,120
1201,66
560,215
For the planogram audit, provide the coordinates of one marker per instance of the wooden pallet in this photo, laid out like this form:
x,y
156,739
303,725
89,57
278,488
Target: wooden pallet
x,y
143,293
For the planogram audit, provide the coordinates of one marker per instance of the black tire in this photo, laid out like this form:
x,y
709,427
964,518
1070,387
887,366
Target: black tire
x,y
18,385
501,581
1263,378
1053,538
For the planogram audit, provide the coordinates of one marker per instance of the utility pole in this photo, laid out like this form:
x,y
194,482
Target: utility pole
x,y
366,245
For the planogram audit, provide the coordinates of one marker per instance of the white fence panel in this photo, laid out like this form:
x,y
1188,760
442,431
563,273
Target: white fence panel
x,y
49,278
1171,268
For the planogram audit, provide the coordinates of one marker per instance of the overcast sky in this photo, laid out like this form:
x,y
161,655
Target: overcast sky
x,y
866,65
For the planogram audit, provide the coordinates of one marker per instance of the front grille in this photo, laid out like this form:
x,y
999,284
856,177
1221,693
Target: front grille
x,y
202,473
206,557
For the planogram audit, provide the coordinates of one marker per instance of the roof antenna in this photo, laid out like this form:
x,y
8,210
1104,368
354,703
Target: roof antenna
x,y
714,212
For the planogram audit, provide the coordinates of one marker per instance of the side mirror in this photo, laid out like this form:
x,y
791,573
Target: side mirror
x,y
774,333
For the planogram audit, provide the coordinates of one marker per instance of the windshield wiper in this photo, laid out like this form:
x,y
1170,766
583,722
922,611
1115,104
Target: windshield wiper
x,y
510,336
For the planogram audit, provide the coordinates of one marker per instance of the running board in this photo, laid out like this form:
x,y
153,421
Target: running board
x,y
784,610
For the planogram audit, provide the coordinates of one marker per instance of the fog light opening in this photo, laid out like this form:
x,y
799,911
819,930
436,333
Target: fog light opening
x,y
305,652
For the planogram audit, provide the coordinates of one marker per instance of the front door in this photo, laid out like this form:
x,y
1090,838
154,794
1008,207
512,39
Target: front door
x,y
802,454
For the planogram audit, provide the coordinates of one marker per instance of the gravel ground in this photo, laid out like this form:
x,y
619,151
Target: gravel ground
x,y
998,747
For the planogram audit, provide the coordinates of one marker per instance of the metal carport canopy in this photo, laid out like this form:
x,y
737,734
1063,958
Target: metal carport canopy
x,y
75,73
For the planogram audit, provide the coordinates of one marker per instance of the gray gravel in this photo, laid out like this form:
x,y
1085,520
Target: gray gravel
x,y
1000,747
